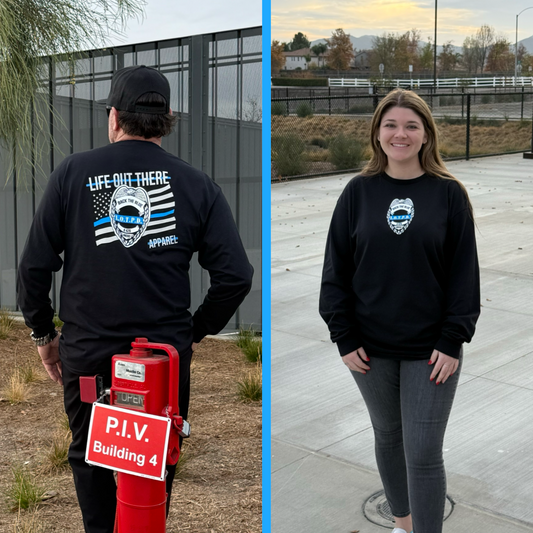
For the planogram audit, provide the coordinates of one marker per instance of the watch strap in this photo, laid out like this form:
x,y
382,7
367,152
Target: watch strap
x,y
43,341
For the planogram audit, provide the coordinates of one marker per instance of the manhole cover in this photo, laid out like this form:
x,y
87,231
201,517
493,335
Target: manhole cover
x,y
376,509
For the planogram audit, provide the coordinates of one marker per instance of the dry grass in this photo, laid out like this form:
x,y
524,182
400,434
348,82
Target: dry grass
x,y
251,385
7,322
56,457
17,390
219,484
28,522
507,137
30,374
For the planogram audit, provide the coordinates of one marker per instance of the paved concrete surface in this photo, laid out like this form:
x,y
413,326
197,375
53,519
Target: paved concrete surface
x,y
323,466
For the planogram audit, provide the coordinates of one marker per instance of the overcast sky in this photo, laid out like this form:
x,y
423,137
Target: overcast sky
x,y
167,19
456,18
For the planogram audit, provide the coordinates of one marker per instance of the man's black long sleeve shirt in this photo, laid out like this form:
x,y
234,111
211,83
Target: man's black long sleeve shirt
x,y
127,218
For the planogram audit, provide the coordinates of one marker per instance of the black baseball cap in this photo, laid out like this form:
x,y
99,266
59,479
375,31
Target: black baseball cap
x,y
130,83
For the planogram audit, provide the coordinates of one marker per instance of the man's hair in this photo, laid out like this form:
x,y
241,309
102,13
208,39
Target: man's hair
x,y
144,124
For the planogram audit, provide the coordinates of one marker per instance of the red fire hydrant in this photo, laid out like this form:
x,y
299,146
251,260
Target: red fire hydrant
x,y
130,435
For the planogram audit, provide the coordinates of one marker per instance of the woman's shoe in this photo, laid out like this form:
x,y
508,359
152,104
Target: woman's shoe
x,y
399,530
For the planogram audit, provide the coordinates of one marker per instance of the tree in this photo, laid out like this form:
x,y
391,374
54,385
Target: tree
x,y
485,38
383,50
341,51
277,59
319,49
448,58
396,51
500,58
30,29
300,41
425,58
471,54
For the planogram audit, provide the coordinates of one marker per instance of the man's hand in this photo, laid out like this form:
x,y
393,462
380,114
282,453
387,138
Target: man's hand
x,y
354,360
50,358
445,366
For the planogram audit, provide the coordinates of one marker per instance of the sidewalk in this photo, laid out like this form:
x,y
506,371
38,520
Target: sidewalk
x,y
323,466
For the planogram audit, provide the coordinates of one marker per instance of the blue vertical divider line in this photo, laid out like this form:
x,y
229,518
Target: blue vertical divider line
x,y
266,266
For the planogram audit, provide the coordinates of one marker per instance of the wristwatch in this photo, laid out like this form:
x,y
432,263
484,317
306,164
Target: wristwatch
x,y
43,341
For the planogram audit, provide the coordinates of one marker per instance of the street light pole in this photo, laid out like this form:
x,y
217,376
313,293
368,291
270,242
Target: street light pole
x,y
435,51
516,45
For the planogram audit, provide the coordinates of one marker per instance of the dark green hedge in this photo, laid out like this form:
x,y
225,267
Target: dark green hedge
x,y
300,82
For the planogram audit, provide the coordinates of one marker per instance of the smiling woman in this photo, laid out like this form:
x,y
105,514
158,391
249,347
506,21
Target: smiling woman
x,y
401,135
400,295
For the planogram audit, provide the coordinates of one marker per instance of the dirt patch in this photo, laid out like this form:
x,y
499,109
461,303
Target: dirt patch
x,y
219,487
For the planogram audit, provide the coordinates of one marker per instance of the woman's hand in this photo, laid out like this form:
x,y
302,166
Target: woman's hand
x,y
445,366
354,360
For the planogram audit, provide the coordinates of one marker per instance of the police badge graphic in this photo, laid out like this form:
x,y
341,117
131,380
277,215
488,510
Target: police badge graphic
x,y
129,213
400,215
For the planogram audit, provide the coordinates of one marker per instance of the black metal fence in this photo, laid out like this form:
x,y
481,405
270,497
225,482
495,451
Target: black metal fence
x,y
215,81
330,133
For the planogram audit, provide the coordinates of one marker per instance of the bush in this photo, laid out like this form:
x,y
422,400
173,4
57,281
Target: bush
x,y
449,100
507,98
250,388
250,344
345,152
304,110
361,109
279,109
300,82
7,322
446,119
24,492
288,154
319,141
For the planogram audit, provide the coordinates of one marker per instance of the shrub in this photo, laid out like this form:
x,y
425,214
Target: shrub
x,y
58,323
304,110
319,141
446,119
31,374
361,109
24,492
345,152
16,390
250,344
288,154
7,321
251,386
300,82
279,109
56,457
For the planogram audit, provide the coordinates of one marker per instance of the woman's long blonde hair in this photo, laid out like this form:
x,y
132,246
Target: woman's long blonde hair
x,y
429,155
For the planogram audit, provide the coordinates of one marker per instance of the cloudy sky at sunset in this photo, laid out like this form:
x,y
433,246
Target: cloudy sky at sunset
x,y
456,18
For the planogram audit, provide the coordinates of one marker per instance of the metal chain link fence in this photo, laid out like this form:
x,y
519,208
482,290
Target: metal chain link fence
x,y
321,133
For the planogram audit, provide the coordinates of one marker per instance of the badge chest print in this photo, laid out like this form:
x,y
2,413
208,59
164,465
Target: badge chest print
x,y
400,215
129,213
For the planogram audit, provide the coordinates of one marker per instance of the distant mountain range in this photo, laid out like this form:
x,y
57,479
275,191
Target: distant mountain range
x,y
365,43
